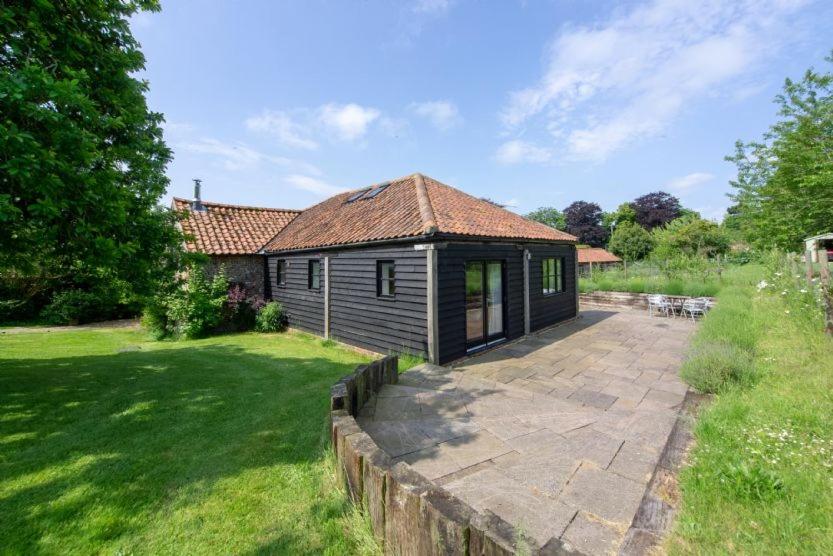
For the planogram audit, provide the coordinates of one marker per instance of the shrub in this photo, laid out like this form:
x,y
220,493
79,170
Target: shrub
x,y
15,309
240,310
197,309
77,306
690,236
192,309
155,319
713,366
725,345
271,318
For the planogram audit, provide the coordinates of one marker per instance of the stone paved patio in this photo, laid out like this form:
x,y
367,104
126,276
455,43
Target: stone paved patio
x,y
558,434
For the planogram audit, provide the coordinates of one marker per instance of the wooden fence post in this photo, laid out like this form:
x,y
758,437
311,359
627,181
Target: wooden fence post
x,y
794,260
824,279
808,266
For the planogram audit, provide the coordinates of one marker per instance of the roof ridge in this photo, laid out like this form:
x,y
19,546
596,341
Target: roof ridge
x,y
426,210
227,205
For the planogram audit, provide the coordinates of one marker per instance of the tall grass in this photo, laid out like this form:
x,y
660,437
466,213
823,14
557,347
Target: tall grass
x,y
760,477
723,351
646,277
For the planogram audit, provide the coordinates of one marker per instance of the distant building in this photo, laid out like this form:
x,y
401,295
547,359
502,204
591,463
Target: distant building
x,y
823,241
595,258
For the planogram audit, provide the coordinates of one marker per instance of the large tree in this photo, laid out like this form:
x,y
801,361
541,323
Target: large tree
x,y
656,209
584,220
690,236
82,160
623,213
550,216
784,185
631,241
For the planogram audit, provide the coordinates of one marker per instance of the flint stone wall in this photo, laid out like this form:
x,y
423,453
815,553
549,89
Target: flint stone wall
x,y
409,514
246,270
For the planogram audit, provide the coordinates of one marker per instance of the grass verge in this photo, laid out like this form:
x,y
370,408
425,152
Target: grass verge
x,y
760,478
111,443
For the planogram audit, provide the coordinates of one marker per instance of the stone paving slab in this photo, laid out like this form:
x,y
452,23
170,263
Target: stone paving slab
x,y
558,433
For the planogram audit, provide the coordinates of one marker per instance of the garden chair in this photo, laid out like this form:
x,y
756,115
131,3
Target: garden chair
x,y
661,304
706,302
694,307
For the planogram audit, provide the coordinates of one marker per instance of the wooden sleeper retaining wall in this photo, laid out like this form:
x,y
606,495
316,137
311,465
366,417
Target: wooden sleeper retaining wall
x,y
617,299
408,513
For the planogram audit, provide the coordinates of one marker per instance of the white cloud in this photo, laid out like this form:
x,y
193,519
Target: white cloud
x,y
517,151
349,121
609,85
280,125
442,114
234,156
690,181
238,156
313,185
432,7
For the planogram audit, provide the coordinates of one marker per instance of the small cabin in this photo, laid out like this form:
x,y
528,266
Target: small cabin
x,y
816,243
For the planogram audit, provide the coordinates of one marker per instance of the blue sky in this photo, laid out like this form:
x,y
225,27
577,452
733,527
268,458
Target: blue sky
x,y
531,103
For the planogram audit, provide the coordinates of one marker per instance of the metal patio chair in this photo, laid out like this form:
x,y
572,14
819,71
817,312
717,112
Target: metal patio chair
x,y
660,304
694,308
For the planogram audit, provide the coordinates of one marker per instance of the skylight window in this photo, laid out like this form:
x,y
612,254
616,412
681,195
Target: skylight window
x,y
373,192
358,195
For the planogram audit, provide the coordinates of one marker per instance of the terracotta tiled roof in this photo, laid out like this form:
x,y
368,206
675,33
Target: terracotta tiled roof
x,y
230,229
596,255
411,206
459,213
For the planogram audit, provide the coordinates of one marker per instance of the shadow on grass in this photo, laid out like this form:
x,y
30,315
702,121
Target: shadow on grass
x,y
94,448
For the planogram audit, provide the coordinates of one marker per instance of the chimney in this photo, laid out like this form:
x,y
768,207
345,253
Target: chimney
x,y
196,204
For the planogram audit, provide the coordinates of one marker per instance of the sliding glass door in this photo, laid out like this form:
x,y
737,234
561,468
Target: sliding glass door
x,y
484,302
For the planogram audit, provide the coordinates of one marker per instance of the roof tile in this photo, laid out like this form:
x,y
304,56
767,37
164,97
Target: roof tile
x,y
400,211
596,255
230,229
411,206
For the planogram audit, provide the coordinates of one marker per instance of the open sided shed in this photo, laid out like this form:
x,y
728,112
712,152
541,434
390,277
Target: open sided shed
x,y
815,243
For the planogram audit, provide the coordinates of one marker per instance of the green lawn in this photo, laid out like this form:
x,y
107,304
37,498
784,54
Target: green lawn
x,y
112,443
760,479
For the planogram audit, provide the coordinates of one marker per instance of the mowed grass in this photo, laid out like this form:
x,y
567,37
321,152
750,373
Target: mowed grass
x,y
111,443
761,473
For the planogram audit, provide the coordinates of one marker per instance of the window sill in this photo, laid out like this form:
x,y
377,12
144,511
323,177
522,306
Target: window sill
x,y
553,294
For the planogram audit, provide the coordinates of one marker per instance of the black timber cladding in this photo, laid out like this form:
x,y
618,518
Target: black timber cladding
x,y
549,309
303,306
357,315
451,267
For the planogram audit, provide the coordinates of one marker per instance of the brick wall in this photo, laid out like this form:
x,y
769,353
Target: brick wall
x,y
242,269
